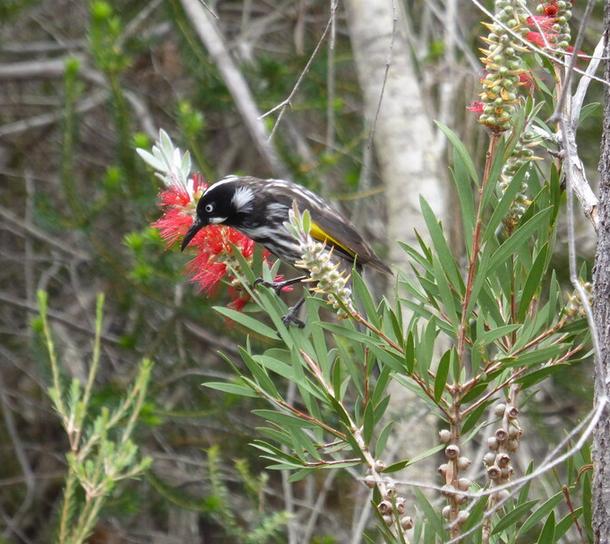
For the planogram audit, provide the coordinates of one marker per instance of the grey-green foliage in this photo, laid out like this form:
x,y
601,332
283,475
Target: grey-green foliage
x,y
504,319
240,521
101,450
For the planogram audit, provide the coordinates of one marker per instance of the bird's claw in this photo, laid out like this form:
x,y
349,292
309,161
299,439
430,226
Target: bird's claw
x,y
291,319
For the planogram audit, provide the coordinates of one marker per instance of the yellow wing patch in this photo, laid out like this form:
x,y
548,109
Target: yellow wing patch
x,y
317,233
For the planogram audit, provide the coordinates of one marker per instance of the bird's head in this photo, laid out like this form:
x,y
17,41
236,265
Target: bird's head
x,y
224,203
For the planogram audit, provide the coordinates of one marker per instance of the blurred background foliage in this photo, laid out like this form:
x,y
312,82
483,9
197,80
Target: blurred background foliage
x,y
81,85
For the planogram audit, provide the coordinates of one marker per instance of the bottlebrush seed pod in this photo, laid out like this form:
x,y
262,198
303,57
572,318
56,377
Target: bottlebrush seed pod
x,y
369,481
512,445
500,496
384,507
406,522
502,460
448,490
452,451
492,443
463,484
444,435
494,472
507,472
390,490
380,466
462,517
489,458
500,409
501,435
442,469
401,505
446,511
388,520
463,462
513,411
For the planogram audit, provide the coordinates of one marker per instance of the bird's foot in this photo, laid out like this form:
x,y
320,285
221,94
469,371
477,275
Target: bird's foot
x,y
277,286
291,315
291,319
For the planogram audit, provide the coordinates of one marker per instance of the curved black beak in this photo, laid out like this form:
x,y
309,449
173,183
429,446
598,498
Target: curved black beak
x,y
197,225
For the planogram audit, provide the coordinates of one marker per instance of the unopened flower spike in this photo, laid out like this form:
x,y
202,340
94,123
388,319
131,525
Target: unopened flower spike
x,y
330,281
503,64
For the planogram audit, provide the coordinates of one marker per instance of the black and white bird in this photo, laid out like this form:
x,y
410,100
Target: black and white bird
x,y
259,208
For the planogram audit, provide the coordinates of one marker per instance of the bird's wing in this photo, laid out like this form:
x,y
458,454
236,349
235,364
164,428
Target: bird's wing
x,y
332,228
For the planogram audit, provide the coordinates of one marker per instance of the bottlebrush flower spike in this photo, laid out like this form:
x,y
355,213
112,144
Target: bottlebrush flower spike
x,y
214,261
503,64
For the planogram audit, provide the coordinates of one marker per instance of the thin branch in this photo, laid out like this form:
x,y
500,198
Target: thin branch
x,y
567,84
211,36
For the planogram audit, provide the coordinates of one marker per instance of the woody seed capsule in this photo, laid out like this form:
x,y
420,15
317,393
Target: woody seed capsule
x,y
442,469
369,481
492,443
463,463
388,520
499,410
501,435
401,505
384,507
463,484
446,511
452,451
494,472
444,435
489,458
406,522
502,460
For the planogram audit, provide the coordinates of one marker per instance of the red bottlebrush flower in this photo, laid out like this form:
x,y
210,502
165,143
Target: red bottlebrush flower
x,y
476,107
541,23
551,9
539,39
179,209
526,80
213,244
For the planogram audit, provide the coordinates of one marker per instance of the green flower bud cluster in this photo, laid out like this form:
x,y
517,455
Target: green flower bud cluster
x,y
325,273
574,307
561,10
522,154
503,64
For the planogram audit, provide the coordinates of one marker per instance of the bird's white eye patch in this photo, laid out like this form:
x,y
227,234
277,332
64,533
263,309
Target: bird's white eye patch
x,y
209,208
242,199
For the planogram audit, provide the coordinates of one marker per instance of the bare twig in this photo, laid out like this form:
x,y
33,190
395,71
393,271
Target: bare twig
x,y
287,101
209,33
30,229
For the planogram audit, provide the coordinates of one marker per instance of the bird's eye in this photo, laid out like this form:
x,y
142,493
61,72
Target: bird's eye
x,y
209,208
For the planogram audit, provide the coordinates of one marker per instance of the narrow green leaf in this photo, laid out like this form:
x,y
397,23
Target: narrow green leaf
x,y
248,322
547,535
382,439
364,296
492,335
232,388
443,252
461,151
441,375
533,282
542,511
513,516
395,467
566,522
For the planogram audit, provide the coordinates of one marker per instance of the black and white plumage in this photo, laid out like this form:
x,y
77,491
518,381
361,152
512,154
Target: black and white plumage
x,y
259,208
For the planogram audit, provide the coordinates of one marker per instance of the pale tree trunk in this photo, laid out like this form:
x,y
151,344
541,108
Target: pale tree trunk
x,y
409,163
601,310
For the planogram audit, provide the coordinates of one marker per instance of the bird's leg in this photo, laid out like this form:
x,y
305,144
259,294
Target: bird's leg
x,y
277,286
291,315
